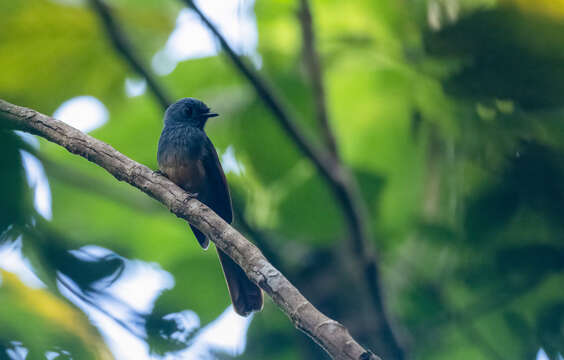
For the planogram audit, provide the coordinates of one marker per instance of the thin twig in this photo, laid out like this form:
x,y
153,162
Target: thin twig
x,y
329,334
124,47
314,67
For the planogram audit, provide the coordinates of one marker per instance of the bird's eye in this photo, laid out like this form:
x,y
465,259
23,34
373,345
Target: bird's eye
x,y
188,112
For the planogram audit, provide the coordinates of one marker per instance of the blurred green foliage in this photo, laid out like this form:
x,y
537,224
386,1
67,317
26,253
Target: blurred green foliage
x,y
449,112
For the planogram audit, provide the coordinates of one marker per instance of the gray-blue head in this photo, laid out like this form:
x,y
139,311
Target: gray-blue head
x,y
188,111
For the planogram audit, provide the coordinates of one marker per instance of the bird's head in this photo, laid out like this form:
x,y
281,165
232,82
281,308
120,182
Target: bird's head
x,y
189,111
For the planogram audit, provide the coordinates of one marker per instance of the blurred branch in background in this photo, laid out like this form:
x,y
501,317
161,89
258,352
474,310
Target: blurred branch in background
x,y
280,110
85,182
328,333
123,46
315,70
369,265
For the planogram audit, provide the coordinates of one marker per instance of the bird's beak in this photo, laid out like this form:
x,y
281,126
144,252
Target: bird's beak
x,y
209,115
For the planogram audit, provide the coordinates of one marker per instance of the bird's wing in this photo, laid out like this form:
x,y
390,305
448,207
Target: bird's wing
x,y
216,193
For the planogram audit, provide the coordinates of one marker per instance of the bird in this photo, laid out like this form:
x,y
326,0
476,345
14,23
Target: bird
x,y
188,158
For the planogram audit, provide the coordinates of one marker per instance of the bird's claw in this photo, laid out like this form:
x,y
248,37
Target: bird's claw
x,y
158,172
191,196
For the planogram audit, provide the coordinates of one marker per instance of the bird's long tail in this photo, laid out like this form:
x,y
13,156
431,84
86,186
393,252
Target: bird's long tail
x,y
245,295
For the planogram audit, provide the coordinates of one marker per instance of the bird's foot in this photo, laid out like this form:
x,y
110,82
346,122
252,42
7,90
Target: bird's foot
x,y
190,196
159,172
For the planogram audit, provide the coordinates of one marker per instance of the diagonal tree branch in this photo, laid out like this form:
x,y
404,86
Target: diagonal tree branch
x,y
313,64
124,47
328,333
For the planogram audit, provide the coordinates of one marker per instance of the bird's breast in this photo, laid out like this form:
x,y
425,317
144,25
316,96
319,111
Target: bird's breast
x,y
180,154
188,174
